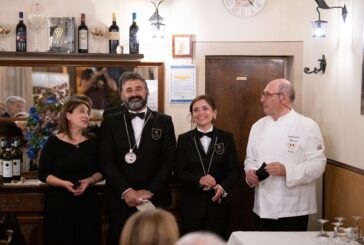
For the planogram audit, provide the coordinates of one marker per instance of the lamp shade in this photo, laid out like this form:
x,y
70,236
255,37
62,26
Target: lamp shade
x,y
319,28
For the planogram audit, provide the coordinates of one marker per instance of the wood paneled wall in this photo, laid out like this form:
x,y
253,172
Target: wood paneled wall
x,y
343,193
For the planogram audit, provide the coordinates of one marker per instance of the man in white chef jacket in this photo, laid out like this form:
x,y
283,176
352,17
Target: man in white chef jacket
x,y
292,147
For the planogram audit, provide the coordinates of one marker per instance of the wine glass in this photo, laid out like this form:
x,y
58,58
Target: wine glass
x,y
357,228
37,20
4,32
98,32
322,237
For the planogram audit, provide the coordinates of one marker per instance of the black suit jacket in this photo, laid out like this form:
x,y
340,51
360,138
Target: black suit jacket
x,y
225,168
155,156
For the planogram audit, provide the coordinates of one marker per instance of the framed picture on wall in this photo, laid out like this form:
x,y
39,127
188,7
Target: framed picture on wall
x,y
182,45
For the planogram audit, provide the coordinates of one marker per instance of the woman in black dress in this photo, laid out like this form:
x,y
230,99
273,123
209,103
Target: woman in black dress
x,y
208,168
69,165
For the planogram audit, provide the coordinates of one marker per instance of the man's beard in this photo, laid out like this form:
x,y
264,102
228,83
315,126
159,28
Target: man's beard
x,y
136,103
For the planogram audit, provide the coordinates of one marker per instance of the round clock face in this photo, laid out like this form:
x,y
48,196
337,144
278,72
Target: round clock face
x,y
244,8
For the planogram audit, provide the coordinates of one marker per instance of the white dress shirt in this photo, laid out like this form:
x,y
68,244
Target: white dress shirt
x,y
138,125
205,140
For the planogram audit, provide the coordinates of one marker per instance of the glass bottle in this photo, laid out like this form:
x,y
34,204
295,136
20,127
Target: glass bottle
x,y
133,37
114,35
21,35
83,35
7,165
17,159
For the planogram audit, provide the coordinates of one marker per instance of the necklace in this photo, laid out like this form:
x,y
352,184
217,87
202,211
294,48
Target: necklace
x,y
203,167
131,157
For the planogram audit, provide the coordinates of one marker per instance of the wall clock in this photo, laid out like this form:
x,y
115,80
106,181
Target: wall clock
x,y
244,8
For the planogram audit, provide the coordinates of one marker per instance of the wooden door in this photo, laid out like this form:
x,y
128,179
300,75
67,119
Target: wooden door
x,y
236,83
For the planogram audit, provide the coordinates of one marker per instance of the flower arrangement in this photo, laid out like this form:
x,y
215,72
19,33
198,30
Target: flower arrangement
x,y
43,117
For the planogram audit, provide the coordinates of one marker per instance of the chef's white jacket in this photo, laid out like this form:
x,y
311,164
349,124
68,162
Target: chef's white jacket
x,y
296,142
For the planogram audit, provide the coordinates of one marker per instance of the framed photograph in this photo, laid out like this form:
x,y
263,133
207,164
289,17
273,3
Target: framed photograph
x,y
182,46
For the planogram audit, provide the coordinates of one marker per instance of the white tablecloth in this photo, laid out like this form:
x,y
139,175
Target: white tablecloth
x,y
272,238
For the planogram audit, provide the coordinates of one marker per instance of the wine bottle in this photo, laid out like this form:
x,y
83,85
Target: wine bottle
x,y
133,37
7,165
21,35
17,159
2,152
83,36
114,35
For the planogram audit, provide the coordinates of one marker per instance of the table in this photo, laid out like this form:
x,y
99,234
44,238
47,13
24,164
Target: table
x,y
279,238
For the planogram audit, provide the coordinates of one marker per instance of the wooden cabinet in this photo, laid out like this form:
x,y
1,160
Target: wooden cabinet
x,y
26,202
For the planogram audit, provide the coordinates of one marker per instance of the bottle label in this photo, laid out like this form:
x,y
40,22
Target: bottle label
x,y
8,169
82,35
21,36
16,167
114,36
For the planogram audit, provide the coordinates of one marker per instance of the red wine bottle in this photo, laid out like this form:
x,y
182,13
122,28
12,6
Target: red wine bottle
x,y
21,35
83,35
114,35
133,37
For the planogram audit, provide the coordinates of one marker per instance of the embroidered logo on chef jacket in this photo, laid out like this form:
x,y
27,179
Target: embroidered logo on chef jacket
x,y
292,143
219,148
319,147
156,133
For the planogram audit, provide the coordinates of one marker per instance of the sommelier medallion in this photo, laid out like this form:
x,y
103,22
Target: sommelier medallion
x,y
130,157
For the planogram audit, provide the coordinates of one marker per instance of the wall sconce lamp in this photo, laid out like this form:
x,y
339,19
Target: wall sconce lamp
x,y
315,70
157,21
319,26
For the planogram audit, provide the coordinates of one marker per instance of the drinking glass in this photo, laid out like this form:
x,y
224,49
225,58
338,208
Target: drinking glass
x,y
98,32
322,237
338,237
37,21
4,33
357,230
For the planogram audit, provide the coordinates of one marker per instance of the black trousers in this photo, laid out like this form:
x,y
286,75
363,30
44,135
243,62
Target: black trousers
x,y
296,223
217,226
117,219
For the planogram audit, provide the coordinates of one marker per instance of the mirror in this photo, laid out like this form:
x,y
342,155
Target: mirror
x,y
27,74
100,83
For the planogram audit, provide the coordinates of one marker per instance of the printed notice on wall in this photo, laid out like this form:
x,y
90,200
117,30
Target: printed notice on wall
x,y
183,83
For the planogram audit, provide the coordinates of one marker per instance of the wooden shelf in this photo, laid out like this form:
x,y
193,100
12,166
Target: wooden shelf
x,y
42,58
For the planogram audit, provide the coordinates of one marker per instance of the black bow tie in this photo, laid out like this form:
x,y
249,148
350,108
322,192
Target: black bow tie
x,y
202,134
141,115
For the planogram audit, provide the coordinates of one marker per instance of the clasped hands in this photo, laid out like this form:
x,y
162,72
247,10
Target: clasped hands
x,y
207,182
133,197
273,168
79,189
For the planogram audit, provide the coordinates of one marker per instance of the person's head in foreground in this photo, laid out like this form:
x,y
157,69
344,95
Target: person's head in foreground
x,y
200,238
150,227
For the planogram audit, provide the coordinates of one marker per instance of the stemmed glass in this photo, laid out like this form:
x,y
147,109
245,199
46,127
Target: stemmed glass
x,y
4,32
338,236
357,229
37,21
98,32
322,236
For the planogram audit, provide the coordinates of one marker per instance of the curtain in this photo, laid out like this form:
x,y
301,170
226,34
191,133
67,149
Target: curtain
x,y
16,81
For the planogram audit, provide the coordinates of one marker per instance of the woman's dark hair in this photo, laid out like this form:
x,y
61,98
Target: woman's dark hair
x,y
205,97
68,107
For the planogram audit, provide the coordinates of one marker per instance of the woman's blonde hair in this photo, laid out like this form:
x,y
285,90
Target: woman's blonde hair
x,y
150,227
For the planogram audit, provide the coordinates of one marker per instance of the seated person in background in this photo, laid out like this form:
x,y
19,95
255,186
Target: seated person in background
x,y
100,87
150,227
13,105
200,238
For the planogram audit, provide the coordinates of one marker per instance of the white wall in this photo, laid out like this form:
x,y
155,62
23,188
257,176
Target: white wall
x,y
332,99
